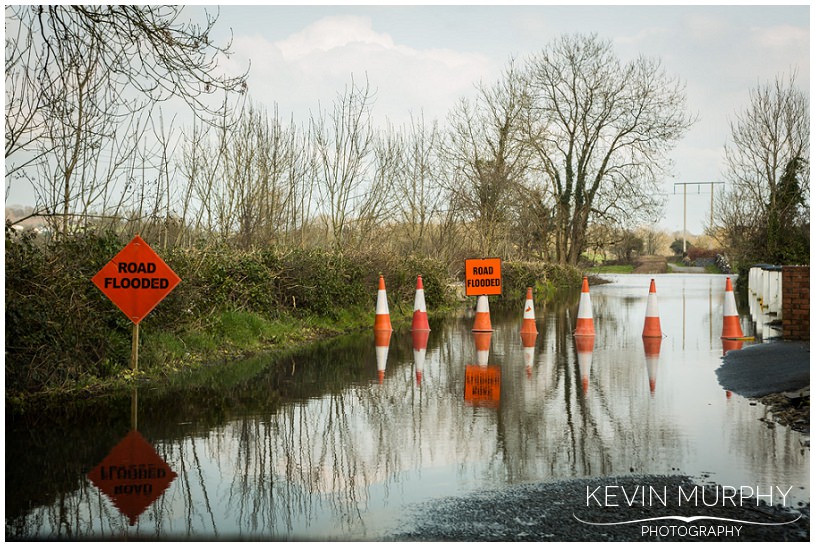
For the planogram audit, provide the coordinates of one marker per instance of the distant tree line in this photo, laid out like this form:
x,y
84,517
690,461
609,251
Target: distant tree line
x,y
564,151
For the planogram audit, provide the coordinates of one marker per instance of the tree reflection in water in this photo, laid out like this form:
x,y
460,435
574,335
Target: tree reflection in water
x,y
320,449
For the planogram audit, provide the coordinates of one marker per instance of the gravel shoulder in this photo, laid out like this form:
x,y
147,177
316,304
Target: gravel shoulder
x,y
576,510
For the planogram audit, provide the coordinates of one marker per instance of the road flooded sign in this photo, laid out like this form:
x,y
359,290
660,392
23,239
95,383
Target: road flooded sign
x,y
132,475
482,276
136,279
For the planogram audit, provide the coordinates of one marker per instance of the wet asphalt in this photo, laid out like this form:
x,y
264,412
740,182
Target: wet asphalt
x,y
762,369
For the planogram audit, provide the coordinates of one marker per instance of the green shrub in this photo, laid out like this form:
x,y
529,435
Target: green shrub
x,y
544,278
61,330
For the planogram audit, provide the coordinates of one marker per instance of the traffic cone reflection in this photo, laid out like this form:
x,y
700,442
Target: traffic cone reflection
x,y
528,326
652,346
419,350
652,327
382,322
731,345
731,328
482,315
529,332
585,348
382,340
585,319
482,347
528,341
419,310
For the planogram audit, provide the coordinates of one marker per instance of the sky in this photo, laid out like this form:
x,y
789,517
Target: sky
x,y
421,59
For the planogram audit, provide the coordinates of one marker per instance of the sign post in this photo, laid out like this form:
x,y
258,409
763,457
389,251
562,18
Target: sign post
x,y
136,280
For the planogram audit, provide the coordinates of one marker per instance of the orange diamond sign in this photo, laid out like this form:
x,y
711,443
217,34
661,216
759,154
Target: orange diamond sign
x,y
132,476
136,279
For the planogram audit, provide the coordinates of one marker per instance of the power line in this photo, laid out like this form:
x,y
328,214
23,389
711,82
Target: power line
x,y
685,206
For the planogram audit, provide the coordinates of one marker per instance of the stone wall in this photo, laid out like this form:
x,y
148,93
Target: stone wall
x,y
795,302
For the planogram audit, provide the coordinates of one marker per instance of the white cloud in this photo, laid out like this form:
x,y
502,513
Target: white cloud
x,y
784,39
313,65
643,36
706,28
332,33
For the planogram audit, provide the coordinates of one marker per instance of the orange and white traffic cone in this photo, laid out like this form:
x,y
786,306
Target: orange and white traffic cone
x,y
382,322
529,332
585,348
382,340
482,348
585,320
731,328
652,327
419,351
482,315
528,326
419,309
652,346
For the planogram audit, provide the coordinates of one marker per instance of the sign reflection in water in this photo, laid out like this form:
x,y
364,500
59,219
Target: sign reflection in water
x,y
341,456
482,381
133,476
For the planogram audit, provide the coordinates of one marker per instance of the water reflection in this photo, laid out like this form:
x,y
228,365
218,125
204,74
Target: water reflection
x,y
419,338
382,341
132,476
584,346
482,381
652,345
318,449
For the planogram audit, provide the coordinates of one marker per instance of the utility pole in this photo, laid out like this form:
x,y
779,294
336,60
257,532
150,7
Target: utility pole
x,y
685,206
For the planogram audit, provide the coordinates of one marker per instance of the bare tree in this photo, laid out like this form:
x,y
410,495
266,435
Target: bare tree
x,y
200,168
76,74
488,154
533,228
261,157
301,178
147,53
25,121
601,129
417,188
342,145
653,240
375,209
767,202
79,124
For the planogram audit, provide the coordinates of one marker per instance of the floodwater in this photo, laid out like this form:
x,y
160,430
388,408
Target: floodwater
x,y
340,442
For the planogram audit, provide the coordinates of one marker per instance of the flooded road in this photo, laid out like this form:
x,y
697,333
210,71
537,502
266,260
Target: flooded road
x,y
341,441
